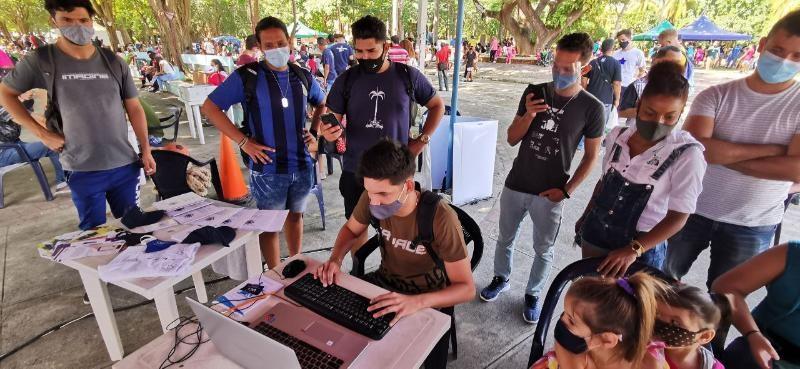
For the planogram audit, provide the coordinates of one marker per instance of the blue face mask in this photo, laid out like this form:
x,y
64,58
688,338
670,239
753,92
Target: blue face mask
x,y
382,212
562,81
774,69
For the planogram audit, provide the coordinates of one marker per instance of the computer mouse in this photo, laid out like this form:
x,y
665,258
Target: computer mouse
x,y
294,268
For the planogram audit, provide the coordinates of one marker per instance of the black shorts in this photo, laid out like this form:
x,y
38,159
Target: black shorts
x,y
351,189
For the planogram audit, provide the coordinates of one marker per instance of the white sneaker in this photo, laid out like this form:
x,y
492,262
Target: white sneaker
x,y
62,187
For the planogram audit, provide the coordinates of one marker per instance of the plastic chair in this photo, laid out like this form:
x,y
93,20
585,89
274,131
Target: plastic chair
x,y
793,199
26,160
580,268
170,178
472,235
317,191
171,120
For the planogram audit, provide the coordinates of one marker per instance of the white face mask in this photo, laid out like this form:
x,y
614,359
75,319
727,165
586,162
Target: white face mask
x,y
278,57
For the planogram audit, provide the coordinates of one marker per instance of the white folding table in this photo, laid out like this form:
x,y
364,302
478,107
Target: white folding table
x,y
159,289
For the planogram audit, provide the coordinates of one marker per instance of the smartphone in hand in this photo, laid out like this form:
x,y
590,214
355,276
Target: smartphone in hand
x,y
329,118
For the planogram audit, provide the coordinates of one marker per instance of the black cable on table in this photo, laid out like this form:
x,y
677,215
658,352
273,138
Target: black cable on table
x,y
198,333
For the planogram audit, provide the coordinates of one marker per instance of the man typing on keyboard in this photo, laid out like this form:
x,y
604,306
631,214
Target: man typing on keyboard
x,y
421,273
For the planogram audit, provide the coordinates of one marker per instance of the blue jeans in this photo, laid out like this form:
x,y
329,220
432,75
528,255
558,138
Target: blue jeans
x,y
442,74
90,191
159,80
282,191
36,151
730,244
546,218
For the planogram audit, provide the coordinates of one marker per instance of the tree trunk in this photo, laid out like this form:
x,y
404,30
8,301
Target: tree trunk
x,y
618,22
126,36
5,33
173,18
436,22
253,12
294,20
400,19
105,16
532,22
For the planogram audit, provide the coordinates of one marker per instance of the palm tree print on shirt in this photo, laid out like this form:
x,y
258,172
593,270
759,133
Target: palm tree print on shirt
x,y
378,95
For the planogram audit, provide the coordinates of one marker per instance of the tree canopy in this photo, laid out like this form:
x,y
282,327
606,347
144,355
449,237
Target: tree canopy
x,y
534,24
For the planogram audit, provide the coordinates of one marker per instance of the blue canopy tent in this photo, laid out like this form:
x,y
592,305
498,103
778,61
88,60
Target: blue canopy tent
x,y
703,29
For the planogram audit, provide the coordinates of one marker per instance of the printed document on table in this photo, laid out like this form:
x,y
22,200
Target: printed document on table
x,y
183,209
216,219
266,221
178,201
191,216
238,219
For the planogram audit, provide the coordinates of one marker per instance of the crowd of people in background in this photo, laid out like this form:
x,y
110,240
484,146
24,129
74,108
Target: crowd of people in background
x,y
666,193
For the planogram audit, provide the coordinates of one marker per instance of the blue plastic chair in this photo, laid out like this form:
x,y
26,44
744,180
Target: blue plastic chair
x,y
317,191
580,268
26,160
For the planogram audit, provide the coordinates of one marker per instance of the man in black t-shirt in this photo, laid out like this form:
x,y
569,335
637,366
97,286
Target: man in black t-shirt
x,y
551,120
604,81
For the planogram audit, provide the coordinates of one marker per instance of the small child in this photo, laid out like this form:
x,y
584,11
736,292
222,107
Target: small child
x,y
687,319
607,323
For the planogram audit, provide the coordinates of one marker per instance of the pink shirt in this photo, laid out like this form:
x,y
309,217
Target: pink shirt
x,y
5,61
398,54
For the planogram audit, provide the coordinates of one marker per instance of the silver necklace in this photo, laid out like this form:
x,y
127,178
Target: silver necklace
x,y
552,112
284,100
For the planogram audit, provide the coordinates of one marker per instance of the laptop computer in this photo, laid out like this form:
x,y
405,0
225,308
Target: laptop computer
x,y
286,336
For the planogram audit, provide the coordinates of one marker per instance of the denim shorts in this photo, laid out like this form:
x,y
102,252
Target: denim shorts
x,y
282,191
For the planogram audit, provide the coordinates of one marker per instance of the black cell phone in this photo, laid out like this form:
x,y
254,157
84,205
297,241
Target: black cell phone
x,y
540,92
329,118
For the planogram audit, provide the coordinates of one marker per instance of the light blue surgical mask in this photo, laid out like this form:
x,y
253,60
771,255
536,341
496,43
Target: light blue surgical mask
x,y
562,81
386,211
77,34
278,57
774,69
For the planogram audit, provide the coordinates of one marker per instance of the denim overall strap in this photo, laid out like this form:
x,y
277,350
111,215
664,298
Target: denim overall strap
x,y
616,150
670,160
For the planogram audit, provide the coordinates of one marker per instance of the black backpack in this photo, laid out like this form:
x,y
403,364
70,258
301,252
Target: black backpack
x,y
249,76
426,209
44,56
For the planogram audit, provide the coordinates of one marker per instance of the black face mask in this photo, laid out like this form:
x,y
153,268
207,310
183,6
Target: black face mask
x,y
674,336
568,340
372,65
624,44
652,131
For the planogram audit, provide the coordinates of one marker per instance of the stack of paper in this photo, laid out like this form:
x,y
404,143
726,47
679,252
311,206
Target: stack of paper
x,y
134,262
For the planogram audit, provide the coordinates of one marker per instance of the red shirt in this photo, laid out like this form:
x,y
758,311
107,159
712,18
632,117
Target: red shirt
x,y
245,59
443,55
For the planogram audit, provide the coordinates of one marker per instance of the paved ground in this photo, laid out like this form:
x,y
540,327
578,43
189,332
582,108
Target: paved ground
x,y
37,294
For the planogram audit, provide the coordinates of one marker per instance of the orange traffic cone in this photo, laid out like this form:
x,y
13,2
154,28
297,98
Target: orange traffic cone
x,y
233,186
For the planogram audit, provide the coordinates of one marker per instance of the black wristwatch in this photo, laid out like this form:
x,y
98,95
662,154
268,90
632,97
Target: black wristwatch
x,y
564,191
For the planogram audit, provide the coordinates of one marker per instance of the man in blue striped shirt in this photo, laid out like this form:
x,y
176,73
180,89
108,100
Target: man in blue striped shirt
x,y
281,169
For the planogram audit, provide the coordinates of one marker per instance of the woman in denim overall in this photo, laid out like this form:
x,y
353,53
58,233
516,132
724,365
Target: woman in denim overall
x,y
642,161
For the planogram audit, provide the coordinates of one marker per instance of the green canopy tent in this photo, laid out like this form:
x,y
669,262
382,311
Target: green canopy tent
x,y
304,31
652,34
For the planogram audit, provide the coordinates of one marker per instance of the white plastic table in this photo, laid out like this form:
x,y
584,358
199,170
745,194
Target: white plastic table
x,y
405,346
158,289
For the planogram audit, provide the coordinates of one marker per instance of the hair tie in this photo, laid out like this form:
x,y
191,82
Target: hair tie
x,y
623,282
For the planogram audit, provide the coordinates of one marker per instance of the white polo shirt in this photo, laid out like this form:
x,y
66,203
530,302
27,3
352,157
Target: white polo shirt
x,y
677,189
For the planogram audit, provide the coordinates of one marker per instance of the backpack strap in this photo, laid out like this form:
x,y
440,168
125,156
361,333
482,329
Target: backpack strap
x,y
405,72
248,73
107,55
300,72
45,57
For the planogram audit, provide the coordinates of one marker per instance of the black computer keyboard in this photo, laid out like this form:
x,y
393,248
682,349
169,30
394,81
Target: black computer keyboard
x,y
338,304
309,356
